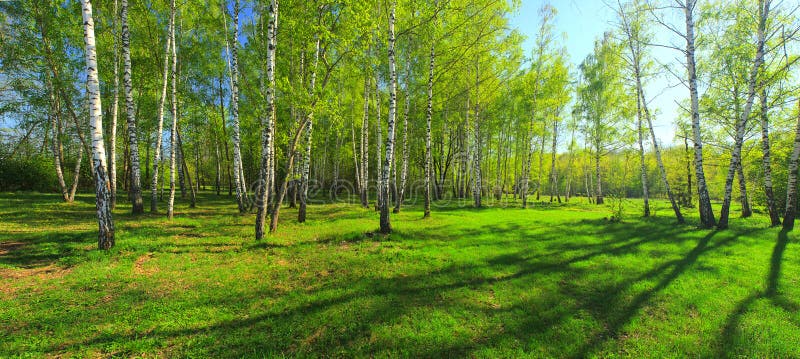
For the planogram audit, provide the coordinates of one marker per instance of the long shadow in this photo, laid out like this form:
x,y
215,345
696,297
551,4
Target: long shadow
x,y
771,292
615,324
399,295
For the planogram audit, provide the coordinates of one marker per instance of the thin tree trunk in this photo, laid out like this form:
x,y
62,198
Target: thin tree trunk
x,y
193,197
267,122
356,169
553,159
539,170
133,142
746,210
385,222
160,127
791,187
477,185
706,212
741,123
599,178
237,152
775,219
225,138
55,124
365,146
378,146
174,129
112,141
404,170
428,120
642,164
103,200
304,176
570,163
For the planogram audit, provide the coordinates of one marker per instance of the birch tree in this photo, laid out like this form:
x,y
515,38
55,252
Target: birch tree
x,y
237,150
267,123
385,224
173,138
706,212
102,195
160,126
112,140
404,170
791,187
135,179
741,123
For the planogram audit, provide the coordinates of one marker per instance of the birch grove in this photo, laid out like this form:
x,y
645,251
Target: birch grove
x,y
434,106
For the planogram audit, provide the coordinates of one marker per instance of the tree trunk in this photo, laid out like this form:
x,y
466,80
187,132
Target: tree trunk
x,y
746,210
599,178
428,121
553,159
112,141
526,168
135,180
225,138
477,185
173,139
193,196
404,170
775,219
642,164
706,212
160,127
791,187
103,200
378,146
237,151
356,169
365,146
741,123
385,222
541,161
267,124
570,162
304,176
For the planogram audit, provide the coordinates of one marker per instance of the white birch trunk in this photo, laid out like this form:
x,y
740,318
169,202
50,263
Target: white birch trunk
x,y
160,127
428,120
173,142
766,161
791,187
385,222
404,169
112,141
741,123
237,151
706,212
102,188
304,176
135,180
267,124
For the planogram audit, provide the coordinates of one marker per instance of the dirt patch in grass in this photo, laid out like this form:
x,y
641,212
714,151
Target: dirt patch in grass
x,y
139,265
8,247
41,274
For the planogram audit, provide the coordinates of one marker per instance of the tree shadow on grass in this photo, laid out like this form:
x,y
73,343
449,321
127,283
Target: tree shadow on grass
x,y
771,292
355,307
41,250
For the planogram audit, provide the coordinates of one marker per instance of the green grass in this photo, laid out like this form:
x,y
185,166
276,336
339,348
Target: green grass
x,y
549,281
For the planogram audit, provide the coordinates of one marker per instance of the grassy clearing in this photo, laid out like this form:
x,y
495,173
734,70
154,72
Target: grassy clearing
x,y
550,281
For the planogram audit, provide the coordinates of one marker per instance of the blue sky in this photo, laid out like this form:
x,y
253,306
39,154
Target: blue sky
x,y
583,21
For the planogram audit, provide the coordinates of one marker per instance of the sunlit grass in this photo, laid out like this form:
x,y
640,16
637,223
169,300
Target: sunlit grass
x,y
549,281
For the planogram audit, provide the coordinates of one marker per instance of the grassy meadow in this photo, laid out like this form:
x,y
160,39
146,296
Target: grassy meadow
x,y
548,281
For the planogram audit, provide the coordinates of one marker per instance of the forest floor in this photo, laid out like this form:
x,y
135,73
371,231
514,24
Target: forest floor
x,y
548,281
